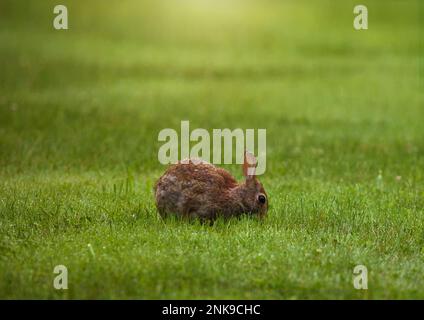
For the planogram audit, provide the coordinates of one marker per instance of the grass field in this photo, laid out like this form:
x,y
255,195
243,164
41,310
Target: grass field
x,y
80,111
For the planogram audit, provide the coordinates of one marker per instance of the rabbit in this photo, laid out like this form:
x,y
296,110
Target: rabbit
x,y
197,189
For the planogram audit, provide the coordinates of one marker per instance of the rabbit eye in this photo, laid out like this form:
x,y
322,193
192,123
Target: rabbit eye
x,y
262,198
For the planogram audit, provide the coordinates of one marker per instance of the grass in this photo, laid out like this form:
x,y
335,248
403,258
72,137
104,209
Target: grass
x,y
80,111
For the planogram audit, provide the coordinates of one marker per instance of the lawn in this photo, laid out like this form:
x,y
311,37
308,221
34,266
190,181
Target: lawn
x,y
80,113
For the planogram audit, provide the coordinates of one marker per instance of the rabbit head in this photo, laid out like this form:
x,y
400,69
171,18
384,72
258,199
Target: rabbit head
x,y
251,192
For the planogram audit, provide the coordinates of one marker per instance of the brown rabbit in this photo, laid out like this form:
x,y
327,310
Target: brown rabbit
x,y
197,189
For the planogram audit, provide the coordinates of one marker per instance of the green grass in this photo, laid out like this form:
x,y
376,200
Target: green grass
x,y
80,111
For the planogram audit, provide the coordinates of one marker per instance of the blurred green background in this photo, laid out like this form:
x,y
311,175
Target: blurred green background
x,y
80,111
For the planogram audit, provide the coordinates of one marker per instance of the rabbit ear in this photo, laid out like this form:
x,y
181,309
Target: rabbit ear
x,y
249,165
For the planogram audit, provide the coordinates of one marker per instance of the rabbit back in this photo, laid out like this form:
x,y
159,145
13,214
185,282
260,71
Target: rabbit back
x,y
193,190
